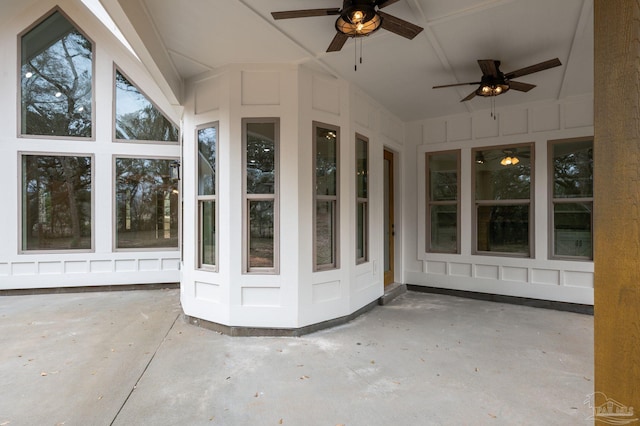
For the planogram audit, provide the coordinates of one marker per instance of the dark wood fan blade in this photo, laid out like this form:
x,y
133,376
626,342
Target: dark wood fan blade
x,y
522,87
383,3
551,63
456,84
338,41
469,96
489,67
399,26
288,14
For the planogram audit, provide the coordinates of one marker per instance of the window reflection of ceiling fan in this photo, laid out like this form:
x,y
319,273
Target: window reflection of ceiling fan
x,y
494,82
357,18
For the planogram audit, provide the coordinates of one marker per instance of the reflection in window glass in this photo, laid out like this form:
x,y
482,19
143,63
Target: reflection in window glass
x,y
572,169
261,233
362,199
137,118
56,80
325,241
442,202
325,164
207,145
56,202
207,153
503,199
207,233
146,204
261,192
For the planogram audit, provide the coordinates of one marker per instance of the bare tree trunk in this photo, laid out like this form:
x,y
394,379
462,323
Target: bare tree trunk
x,y
67,169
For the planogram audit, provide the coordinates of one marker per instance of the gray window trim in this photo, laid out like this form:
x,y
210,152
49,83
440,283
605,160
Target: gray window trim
x,y
22,250
430,203
19,133
203,198
553,201
247,198
335,199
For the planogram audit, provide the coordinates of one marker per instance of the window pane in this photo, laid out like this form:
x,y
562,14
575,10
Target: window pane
x,y
503,229
444,228
443,177
260,158
207,232
207,145
137,118
56,80
261,241
508,181
573,169
146,204
572,222
56,202
362,167
361,232
326,162
325,228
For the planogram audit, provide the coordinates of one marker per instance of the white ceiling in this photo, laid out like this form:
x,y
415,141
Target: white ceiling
x,y
187,38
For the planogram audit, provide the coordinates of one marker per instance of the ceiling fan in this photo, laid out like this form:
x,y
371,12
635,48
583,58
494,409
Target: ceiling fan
x,y
494,82
357,18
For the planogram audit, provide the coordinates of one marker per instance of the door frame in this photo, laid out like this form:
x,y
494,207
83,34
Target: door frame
x,y
389,276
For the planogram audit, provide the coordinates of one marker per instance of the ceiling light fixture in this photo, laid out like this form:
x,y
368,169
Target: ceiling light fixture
x,y
509,159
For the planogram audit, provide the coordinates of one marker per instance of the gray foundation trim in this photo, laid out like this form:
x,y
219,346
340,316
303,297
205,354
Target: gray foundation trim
x,y
535,303
88,289
277,332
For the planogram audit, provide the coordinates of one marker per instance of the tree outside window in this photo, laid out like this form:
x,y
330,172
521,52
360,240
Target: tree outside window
x,y
56,202
56,80
503,177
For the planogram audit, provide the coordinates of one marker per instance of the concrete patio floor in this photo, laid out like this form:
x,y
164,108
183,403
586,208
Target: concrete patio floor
x,y
129,358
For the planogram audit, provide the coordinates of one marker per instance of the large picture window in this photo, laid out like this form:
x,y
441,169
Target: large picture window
x,y
362,199
56,202
443,202
207,195
503,179
137,118
326,195
571,178
146,204
260,143
56,80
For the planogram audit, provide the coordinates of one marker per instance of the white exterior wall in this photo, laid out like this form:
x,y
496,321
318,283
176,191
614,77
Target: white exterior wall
x,y
536,277
102,266
297,296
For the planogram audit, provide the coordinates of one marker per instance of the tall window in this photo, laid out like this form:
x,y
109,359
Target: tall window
x,y
207,194
443,202
56,202
56,80
260,143
503,180
362,199
571,177
136,118
326,196
146,204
